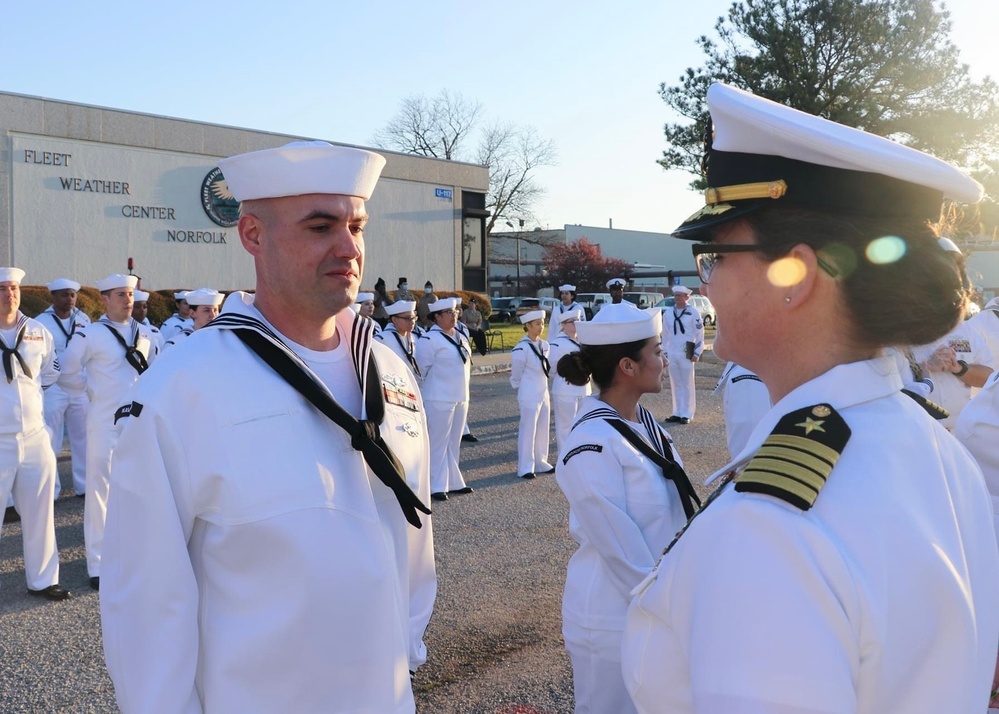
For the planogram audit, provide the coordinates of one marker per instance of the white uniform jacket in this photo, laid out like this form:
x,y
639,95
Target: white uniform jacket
x,y
745,401
21,408
881,597
155,335
560,347
178,337
622,513
95,361
949,391
682,327
986,325
446,371
527,373
252,561
174,324
554,326
63,330
978,429
404,347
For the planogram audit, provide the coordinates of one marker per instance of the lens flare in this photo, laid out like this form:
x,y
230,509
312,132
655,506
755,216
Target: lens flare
x,y
785,272
886,249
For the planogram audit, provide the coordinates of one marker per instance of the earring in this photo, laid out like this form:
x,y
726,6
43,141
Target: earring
x,y
787,298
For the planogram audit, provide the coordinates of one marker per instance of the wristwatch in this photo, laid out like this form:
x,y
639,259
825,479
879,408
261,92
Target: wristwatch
x,y
963,370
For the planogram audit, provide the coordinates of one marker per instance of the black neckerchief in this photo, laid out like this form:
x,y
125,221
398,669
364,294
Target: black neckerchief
x,y
365,435
677,321
545,364
132,354
10,353
408,352
72,324
462,352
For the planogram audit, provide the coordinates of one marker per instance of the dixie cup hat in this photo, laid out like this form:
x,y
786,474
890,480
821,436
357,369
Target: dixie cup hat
x,y
11,275
401,307
618,324
117,280
532,315
63,284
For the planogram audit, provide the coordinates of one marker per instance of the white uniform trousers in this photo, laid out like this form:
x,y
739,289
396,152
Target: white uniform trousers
x,y
597,681
100,443
681,384
566,409
28,472
533,436
63,411
444,424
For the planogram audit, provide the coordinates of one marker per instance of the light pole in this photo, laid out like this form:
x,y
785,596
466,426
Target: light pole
x,y
521,222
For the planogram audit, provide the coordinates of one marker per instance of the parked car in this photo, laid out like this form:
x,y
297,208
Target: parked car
x,y
643,300
700,302
527,304
592,302
504,309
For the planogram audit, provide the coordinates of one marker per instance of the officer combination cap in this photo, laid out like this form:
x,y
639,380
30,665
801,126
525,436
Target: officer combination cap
x,y
619,324
570,315
300,168
365,297
681,290
763,153
11,275
117,280
616,283
401,307
444,304
532,315
140,296
567,288
204,296
63,284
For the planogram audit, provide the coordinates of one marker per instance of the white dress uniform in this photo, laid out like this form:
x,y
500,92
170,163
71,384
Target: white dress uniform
x,y
978,429
949,391
745,400
529,370
622,513
566,398
62,412
95,360
986,325
155,335
679,328
281,571
178,337
404,347
27,462
879,597
554,326
445,363
174,324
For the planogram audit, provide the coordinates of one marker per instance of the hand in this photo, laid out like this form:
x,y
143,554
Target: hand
x,y
694,358
943,359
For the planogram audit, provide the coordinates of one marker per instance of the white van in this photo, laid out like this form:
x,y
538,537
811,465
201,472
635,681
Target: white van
x,y
592,302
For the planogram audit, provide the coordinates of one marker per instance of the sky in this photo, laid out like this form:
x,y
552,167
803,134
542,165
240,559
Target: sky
x,y
583,74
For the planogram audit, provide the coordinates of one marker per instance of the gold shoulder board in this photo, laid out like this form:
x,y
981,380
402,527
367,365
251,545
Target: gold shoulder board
x,y
798,456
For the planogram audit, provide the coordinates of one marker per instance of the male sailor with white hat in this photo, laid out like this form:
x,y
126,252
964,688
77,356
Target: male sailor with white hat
x,y
62,412
566,398
204,303
683,343
529,372
180,319
27,462
264,539
105,359
140,313
567,297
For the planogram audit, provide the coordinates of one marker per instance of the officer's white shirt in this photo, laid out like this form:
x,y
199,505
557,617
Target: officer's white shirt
x,y
21,408
174,324
554,326
95,361
986,325
745,400
560,347
622,513
446,377
949,391
527,375
282,573
681,327
880,598
76,321
978,429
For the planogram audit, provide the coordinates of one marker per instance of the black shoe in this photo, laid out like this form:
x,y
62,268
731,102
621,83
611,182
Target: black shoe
x,y
11,515
551,470
95,583
439,496
52,592
674,419
469,437
528,475
684,420
467,489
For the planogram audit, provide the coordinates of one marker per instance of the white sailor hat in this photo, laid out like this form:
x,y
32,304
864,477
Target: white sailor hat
x,y
681,289
617,324
182,295
140,296
763,153
616,282
567,288
300,168
401,307
532,315
63,284
365,297
11,275
204,296
444,304
570,315
117,280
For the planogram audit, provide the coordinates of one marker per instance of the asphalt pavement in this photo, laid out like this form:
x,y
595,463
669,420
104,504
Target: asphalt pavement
x,y
495,639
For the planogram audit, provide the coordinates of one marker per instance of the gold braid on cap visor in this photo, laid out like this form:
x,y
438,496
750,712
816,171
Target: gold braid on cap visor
x,y
743,191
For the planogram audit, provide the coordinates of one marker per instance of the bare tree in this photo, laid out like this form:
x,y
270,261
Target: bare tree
x,y
442,127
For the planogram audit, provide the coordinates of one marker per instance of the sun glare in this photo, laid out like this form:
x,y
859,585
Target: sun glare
x,y
886,249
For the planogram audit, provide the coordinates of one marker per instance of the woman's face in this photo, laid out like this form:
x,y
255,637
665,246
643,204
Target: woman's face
x,y
650,366
534,328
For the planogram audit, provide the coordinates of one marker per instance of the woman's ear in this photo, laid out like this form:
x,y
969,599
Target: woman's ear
x,y
796,274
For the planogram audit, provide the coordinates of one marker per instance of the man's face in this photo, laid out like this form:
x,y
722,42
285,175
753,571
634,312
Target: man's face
x,y
616,292
140,310
203,314
308,251
681,299
10,297
118,303
63,301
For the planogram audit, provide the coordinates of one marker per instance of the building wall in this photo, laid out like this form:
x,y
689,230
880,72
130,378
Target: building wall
x,y
82,189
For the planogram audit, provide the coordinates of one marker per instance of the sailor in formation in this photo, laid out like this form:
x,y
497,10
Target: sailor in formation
x,y
105,359
204,304
63,413
398,333
180,319
683,343
566,398
28,463
529,373
567,303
